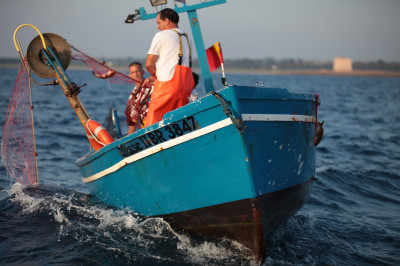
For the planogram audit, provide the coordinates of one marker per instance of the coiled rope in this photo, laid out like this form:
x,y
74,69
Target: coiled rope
x,y
238,123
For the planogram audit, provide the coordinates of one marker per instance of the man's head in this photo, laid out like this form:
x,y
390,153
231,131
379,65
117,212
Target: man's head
x,y
136,71
167,19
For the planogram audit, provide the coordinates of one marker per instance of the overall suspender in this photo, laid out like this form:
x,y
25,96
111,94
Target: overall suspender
x,y
181,50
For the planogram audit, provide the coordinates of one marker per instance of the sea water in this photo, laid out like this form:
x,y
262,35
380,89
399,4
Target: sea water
x,y
351,218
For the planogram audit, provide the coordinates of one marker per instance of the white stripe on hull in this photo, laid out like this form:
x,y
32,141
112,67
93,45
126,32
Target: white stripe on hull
x,y
158,148
278,118
196,134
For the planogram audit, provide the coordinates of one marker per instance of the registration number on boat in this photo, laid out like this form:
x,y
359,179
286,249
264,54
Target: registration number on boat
x,y
171,131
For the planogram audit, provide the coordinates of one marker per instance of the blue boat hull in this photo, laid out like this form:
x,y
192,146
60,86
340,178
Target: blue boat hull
x,y
233,165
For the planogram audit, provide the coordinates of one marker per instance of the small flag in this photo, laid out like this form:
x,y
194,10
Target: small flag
x,y
214,56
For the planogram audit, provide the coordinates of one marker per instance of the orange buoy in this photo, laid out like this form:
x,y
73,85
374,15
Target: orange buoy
x,y
98,136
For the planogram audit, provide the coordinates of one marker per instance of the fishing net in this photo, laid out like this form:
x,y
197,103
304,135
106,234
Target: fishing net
x,y
17,146
18,150
136,108
100,69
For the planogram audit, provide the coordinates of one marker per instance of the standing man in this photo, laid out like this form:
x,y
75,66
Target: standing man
x,y
169,64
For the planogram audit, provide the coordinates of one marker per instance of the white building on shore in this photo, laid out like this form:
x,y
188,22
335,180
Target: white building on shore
x,y
342,64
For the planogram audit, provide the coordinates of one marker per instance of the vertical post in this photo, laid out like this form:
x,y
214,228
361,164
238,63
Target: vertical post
x,y
76,103
33,126
201,51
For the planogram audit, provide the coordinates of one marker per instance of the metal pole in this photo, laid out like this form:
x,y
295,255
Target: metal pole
x,y
201,51
196,32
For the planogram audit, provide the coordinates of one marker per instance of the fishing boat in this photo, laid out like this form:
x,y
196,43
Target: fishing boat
x,y
233,164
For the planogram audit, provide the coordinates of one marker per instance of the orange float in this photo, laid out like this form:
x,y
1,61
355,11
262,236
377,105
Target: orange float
x,y
98,136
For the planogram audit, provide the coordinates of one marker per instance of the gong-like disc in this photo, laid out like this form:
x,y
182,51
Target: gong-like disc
x,y
37,60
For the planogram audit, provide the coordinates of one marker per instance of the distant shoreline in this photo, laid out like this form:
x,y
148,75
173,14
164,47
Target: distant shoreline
x,y
320,72
305,72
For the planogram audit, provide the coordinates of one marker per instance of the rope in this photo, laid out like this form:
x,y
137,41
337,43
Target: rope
x,y
22,57
238,123
17,46
93,135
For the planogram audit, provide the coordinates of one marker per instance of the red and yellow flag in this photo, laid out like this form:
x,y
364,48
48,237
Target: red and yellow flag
x,y
214,56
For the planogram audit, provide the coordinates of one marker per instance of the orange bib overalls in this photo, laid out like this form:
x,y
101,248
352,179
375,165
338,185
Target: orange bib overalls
x,y
172,94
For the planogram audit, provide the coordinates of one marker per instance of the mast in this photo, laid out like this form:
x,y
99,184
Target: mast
x,y
196,33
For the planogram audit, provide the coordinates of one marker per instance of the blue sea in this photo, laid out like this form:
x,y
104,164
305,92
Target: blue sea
x,y
351,218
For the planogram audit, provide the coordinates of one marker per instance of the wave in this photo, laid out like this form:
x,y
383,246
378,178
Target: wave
x,y
64,226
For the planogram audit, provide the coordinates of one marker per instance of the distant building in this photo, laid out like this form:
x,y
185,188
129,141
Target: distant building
x,y
342,64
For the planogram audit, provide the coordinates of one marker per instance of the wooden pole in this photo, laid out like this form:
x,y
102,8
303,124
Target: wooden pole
x,y
72,95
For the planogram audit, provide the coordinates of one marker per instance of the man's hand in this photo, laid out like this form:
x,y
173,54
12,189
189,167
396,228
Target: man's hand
x,y
106,75
149,81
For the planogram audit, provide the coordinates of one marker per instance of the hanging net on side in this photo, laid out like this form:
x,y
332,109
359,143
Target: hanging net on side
x,y
136,108
18,150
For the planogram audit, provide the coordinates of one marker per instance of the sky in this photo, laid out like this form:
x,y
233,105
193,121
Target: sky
x,y
320,30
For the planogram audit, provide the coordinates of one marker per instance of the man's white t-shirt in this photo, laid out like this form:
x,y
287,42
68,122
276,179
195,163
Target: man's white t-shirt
x,y
165,45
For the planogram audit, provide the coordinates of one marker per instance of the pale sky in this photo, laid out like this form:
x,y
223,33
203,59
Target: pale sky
x,y
365,30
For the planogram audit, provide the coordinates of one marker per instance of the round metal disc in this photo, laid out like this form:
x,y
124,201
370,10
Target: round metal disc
x,y
36,59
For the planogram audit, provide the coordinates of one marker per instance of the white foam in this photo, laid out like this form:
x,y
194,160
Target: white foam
x,y
144,232
29,204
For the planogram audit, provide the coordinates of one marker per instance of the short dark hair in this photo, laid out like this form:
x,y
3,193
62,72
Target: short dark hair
x,y
169,14
136,63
